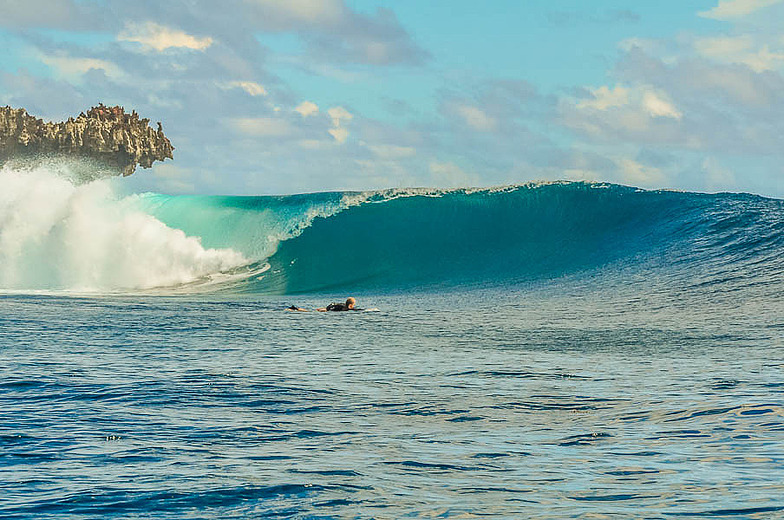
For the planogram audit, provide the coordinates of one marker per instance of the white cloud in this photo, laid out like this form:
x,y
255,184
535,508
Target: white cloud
x,y
339,115
633,106
729,9
340,134
250,87
71,68
723,45
307,108
763,59
476,118
159,37
604,98
262,126
739,49
389,151
636,174
657,106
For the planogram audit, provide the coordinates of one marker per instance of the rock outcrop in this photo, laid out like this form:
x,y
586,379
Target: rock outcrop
x,y
106,134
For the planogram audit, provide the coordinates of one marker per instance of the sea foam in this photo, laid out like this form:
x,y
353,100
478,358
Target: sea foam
x,y
58,232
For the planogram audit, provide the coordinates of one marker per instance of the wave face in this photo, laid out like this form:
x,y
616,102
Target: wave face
x,y
523,234
57,233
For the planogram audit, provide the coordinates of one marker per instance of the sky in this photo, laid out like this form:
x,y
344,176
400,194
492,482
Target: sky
x,y
292,96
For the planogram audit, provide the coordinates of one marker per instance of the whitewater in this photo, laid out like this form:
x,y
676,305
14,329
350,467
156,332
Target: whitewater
x,y
542,350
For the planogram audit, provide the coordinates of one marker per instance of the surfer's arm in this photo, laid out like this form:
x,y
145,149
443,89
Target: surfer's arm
x,y
323,309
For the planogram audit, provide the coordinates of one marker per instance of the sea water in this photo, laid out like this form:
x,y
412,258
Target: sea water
x,y
565,350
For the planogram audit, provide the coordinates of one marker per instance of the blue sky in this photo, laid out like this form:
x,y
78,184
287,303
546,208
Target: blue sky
x,y
273,96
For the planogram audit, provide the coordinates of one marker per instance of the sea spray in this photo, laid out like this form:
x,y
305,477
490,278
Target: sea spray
x,y
57,233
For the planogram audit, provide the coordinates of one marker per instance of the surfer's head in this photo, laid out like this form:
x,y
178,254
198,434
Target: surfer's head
x,y
351,302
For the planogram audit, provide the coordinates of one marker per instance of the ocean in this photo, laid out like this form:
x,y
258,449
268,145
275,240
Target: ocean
x,y
547,350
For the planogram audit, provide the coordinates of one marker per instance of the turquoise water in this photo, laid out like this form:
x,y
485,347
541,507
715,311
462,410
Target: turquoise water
x,y
543,351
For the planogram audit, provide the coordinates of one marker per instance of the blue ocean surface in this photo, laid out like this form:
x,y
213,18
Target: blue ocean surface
x,y
561,350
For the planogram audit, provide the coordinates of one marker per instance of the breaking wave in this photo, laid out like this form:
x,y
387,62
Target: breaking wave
x,y
60,234
57,233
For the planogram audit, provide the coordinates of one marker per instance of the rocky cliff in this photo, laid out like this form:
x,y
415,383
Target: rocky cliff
x,y
106,134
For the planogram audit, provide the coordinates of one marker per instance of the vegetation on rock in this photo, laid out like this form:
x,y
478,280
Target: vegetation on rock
x,y
107,134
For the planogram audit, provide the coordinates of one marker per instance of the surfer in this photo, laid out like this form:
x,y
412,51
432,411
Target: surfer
x,y
350,305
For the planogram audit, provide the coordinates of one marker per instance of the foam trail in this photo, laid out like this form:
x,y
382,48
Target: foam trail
x,y
59,234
